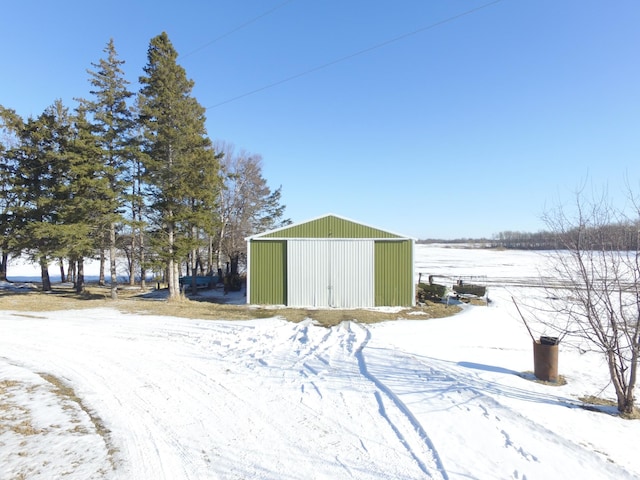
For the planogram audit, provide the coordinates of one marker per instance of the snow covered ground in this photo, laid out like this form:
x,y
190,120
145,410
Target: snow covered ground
x,y
98,394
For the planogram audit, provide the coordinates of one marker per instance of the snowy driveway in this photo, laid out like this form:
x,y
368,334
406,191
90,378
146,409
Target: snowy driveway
x,y
168,398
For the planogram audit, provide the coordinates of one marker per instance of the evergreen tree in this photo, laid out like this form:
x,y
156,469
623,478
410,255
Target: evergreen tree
x,y
134,245
39,182
10,125
87,196
204,183
113,122
181,168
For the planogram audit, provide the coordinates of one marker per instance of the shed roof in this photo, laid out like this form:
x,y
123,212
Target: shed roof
x,y
328,226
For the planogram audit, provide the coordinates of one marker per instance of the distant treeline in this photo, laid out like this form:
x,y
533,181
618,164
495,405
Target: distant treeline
x,y
621,236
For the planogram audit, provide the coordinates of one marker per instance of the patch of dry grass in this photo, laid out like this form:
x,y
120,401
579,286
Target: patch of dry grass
x,y
68,394
6,384
134,301
18,418
591,402
14,417
11,414
529,375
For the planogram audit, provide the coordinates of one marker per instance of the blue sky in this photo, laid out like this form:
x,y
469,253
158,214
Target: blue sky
x,y
476,123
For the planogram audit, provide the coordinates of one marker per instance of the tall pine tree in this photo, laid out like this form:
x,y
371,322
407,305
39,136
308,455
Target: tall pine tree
x,y
87,195
40,182
135,246
113,124
182,168
10,126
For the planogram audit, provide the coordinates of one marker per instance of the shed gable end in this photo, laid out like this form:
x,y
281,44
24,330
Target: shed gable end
x,y
330,226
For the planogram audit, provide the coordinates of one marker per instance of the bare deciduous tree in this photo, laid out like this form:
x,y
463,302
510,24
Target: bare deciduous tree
x,y
600,279
247,205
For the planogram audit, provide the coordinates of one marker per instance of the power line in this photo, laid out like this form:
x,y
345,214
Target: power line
x,y
355,54
239,27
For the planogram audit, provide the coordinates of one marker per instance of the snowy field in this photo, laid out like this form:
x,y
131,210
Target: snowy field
x,y
97,394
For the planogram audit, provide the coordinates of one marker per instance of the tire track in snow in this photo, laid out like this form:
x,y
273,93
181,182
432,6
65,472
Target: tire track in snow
x,y
316,357
319,364
469,416
403,433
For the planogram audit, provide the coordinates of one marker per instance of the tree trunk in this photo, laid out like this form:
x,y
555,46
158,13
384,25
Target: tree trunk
x,y
235,259
72,272
627,406
194,264
112,261
63,278
194,284
210,255
200,265
44,274
173,280
173,269
132,266
101,281
143,268
3,265
223,232
80,276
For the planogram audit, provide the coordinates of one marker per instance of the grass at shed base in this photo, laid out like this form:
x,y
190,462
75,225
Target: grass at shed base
x,y
133,300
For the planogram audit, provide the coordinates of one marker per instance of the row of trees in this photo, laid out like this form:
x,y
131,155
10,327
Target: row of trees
x,y
624,232
129,175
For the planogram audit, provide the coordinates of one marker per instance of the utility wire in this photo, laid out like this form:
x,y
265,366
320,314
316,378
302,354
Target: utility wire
x,y
233,30
355,54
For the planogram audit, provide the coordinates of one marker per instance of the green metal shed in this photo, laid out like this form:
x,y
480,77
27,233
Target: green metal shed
x,y
330,261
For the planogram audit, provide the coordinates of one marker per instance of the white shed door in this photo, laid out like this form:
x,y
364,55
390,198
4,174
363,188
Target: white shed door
x,y
330,273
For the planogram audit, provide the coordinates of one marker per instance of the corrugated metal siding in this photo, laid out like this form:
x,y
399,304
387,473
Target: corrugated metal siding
x,y
330,273
353,278
330,227
394,274
268,272
307,273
